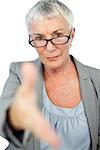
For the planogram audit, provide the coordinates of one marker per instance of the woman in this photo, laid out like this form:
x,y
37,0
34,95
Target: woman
x,y
67,92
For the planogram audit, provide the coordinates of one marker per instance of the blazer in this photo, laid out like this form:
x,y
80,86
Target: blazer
x,y
89,79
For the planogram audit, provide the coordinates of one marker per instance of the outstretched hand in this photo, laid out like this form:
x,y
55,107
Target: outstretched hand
x,y
24,113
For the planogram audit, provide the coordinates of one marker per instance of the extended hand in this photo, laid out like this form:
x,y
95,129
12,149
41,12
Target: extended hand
x,y
24,113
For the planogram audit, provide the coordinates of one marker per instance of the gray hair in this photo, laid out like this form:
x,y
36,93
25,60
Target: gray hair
x,y
48,9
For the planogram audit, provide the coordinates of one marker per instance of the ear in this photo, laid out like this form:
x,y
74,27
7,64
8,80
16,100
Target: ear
x,y
72,36
73,32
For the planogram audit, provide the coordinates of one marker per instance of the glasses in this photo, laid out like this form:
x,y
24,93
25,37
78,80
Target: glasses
x,y
43,42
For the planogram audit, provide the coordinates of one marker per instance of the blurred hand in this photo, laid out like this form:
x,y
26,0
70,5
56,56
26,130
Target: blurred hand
x,y
24,114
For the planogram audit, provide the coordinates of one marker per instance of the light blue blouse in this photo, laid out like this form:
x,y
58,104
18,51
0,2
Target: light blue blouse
x,y
70,124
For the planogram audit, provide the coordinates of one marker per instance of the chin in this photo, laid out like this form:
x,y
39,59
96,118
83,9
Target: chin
x,y
53,65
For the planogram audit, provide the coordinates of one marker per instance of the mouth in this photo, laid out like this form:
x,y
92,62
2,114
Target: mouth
x,y
52,58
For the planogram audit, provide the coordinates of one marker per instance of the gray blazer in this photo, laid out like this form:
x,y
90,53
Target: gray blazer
x,y
90,92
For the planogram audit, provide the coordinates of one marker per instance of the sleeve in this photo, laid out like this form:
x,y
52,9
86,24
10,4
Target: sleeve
x,y
6,99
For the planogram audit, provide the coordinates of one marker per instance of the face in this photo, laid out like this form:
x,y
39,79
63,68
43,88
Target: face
x,y
52,56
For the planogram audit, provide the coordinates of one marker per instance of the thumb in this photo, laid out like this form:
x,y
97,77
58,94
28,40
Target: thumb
x,y
29,72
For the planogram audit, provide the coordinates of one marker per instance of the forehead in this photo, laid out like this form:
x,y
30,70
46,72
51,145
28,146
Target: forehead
x,y
48,26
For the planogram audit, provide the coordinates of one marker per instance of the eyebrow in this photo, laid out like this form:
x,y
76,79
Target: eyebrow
x,y
58,30
39,34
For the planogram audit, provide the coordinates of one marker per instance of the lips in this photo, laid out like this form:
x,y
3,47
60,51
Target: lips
x,y
53,57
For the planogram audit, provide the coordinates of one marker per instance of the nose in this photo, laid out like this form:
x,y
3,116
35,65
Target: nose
x,y
50,47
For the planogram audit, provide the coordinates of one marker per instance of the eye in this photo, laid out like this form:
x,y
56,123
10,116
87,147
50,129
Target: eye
x,y
38,38
59,34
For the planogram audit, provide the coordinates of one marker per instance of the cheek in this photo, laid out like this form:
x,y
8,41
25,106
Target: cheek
x,y
64,49
40,51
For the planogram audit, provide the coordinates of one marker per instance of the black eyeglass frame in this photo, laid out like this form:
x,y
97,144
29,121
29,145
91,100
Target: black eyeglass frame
x,y
47,40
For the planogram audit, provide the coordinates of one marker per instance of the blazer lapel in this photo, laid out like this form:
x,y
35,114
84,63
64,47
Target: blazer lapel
x,y
89,98
90,105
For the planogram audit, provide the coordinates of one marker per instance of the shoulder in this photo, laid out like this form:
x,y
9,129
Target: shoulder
x,y
94,75
85,71
93,72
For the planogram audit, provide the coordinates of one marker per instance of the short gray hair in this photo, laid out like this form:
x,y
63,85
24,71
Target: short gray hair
x,y
48,9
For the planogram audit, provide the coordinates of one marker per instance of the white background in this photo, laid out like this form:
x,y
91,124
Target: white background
x,y
3,143
14,37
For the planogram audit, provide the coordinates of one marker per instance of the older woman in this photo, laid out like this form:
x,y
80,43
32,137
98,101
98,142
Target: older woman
x,y
67,92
